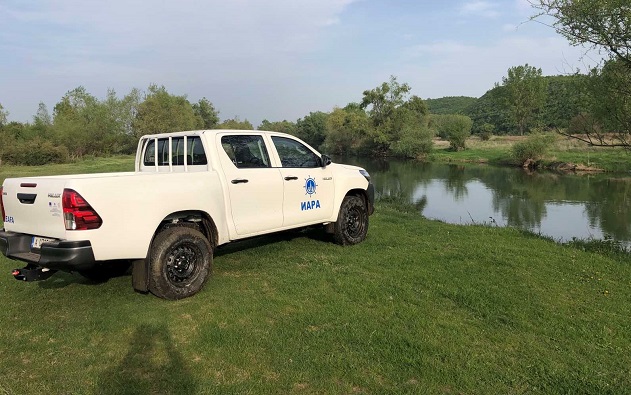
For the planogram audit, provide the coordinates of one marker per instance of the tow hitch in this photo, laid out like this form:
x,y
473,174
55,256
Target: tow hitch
x,y
32,273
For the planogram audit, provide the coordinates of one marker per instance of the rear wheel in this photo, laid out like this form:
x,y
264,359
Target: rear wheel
x,y
180,263
351,226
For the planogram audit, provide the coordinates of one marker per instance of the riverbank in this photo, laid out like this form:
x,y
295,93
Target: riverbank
x,y
420,306
564,155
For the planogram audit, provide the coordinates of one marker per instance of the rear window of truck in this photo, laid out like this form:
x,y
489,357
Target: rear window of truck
x,y
195,154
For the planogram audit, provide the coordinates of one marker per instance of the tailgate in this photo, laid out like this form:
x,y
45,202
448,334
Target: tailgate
x,y
33,206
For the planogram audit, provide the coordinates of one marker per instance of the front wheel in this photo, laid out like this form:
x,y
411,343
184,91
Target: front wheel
x,y
351,226
180,263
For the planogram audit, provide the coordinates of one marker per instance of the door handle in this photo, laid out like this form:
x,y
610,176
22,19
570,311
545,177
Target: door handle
x,y
291,178
239,181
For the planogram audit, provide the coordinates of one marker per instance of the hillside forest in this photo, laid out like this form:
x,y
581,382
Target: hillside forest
x,y
388,121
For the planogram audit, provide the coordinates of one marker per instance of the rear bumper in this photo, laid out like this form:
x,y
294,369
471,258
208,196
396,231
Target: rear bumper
x,y
59,255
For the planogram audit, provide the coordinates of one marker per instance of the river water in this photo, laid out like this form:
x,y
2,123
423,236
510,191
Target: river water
x,y
563,206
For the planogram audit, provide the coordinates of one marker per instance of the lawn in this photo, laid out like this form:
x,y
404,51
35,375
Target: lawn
x,y
91,165
420,307
497,151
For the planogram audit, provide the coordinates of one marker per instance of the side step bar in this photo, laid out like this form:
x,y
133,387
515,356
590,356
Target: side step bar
x,y
32,273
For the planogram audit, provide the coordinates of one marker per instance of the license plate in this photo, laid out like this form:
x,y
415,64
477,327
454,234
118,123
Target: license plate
x,y
37,241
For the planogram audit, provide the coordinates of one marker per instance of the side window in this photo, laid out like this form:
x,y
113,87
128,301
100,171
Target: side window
x,y
150,154
177,151
161,154
195,152
294,154
195,149
246,151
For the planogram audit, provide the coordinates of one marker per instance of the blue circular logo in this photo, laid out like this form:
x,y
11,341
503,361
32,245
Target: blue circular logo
x,y
310,186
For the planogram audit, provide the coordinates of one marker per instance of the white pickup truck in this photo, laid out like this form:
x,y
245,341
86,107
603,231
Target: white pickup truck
x,y
190,193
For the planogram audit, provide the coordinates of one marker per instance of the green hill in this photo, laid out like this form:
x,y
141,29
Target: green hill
x,y
450,104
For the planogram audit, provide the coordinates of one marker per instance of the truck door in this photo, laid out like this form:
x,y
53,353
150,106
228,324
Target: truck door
x,y
254,186
308,187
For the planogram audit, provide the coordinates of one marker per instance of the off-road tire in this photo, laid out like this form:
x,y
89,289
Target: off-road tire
x,y
351,226
180,263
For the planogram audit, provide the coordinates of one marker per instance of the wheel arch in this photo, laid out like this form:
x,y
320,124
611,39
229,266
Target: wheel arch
x,y
362,193
196,219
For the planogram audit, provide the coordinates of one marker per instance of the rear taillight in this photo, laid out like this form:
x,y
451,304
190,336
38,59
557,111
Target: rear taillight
x,y
78,214
1,205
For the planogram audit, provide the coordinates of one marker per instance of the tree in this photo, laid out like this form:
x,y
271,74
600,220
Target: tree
x,y
236,124
396,120
42,122
608,124
525,94
417,106
86,125
14,131
207,114
409,129
415,137
3,116
346,130
604,25
77,122
601,24
456,129
566,97
491,109
279,126
383,100
312,128
162,112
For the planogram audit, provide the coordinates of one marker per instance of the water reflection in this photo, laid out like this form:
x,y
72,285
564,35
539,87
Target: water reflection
x,y
561,206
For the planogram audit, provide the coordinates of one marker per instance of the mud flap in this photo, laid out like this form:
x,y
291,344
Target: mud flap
x,y
140,275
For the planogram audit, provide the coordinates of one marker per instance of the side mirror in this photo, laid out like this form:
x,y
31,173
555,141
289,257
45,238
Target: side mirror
x,y
326,160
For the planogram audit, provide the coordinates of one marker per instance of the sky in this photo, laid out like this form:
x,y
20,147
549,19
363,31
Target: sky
x,y
275,60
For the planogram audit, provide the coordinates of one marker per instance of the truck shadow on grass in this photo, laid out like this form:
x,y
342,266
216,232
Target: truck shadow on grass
x,y
63,279
313,233
152,365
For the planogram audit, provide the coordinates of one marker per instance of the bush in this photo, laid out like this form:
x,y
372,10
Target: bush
x,y
413,142
456,129
486,131
584,123
532,149
34,153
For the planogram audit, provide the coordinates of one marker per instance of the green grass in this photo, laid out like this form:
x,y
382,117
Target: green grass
x,y
420,307
497,151
491,155
608,159
91,165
